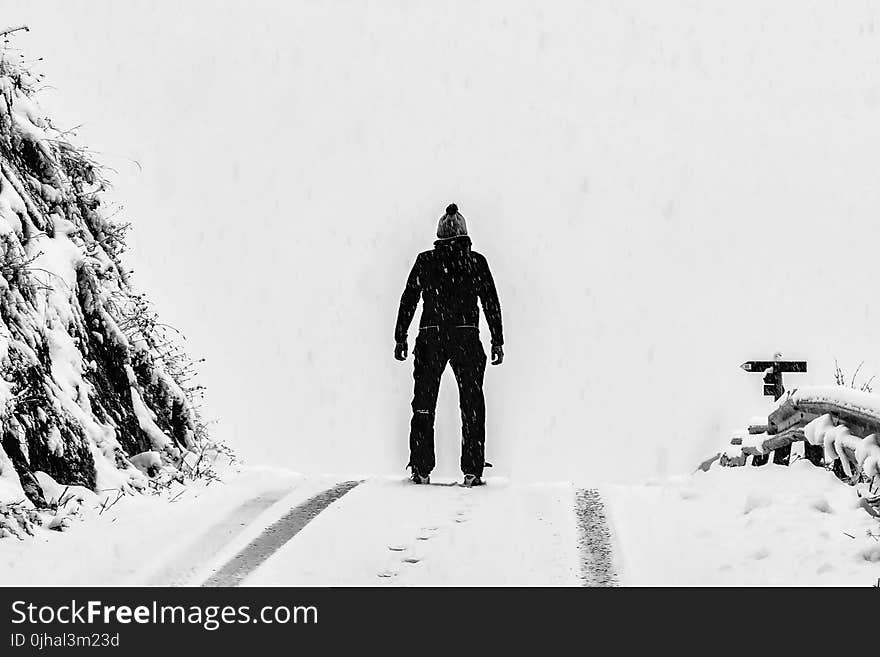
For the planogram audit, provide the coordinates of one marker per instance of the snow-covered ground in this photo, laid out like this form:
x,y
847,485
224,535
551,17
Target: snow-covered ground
x,y
149,540
386,531
745,526
389,532
730,526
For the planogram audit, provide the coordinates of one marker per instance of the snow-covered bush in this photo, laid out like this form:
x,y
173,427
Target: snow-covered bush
x,y
89,377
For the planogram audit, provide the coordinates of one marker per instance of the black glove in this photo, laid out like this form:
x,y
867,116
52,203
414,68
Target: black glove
x,y
497,354
400,350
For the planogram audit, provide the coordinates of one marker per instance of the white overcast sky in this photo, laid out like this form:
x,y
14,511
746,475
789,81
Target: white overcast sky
x,y
663,190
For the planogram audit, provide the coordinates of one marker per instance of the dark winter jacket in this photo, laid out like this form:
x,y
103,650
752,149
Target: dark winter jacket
x,y
449,279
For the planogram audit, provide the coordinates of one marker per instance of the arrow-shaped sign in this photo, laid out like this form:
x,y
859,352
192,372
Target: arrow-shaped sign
x,y
778,365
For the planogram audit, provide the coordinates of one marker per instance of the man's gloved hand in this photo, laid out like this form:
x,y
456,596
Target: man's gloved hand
x,y
497,354
400,350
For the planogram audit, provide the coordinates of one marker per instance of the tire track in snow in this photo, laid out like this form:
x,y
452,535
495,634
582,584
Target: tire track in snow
x,y
275,536
187,562
597,566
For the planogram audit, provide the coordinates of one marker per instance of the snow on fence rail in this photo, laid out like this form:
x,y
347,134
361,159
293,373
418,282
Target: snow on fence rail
x,y
844,422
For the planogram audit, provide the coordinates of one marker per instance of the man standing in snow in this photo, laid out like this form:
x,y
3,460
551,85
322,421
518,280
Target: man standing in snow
x,y
449,279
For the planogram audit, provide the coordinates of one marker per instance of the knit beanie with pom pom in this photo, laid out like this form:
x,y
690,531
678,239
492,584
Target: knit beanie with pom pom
x,y
451,224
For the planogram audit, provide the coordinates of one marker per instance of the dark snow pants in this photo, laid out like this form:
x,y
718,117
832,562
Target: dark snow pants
x,y
461,348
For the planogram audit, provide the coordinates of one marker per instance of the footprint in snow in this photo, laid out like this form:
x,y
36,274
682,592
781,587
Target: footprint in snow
x,y
397,548
759,554
411,560
387,574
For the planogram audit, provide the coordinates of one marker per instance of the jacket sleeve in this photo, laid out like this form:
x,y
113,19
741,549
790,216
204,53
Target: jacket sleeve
x,y
408,302
491,305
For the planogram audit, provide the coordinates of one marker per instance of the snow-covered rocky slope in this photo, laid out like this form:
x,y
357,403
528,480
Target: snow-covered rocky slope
x,y
92,392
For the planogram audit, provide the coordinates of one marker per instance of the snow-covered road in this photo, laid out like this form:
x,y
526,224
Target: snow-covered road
x,y
389,532
266,526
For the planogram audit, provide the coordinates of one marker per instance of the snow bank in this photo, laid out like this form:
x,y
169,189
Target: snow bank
x,y
772,525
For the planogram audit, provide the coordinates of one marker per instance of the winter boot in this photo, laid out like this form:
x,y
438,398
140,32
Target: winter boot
x,y
473,480
418,478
